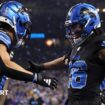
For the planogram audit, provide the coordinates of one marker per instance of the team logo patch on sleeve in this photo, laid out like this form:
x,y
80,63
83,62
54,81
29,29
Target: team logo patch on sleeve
x,y
5,39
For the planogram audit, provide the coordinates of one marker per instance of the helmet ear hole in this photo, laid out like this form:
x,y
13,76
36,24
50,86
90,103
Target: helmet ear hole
x,y
17,19
92,24
20,23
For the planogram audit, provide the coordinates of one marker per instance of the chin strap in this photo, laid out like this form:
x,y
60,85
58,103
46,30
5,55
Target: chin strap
x,y
19,43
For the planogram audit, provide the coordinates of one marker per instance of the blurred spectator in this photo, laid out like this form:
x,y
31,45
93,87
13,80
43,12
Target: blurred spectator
x,y
35,98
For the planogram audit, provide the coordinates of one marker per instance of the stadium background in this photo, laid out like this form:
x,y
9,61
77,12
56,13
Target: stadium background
x,y
47,42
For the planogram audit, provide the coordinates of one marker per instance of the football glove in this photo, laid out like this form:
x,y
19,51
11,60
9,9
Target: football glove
x,y
67,58
45,81
34,67
50,82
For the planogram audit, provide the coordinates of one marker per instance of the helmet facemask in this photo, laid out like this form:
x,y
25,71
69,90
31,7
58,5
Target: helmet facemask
x,y
27,32
73,32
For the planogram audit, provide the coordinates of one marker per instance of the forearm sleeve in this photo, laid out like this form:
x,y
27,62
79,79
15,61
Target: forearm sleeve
x,y
14,74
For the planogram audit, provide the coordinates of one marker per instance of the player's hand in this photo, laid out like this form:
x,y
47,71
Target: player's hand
x,y
51,83
67,58
45,81
34,67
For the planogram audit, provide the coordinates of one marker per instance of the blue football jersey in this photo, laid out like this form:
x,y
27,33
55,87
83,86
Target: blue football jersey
x,y
4,39
102,85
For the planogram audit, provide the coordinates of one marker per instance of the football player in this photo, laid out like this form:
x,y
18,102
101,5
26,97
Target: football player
x,y
15,27
86,62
